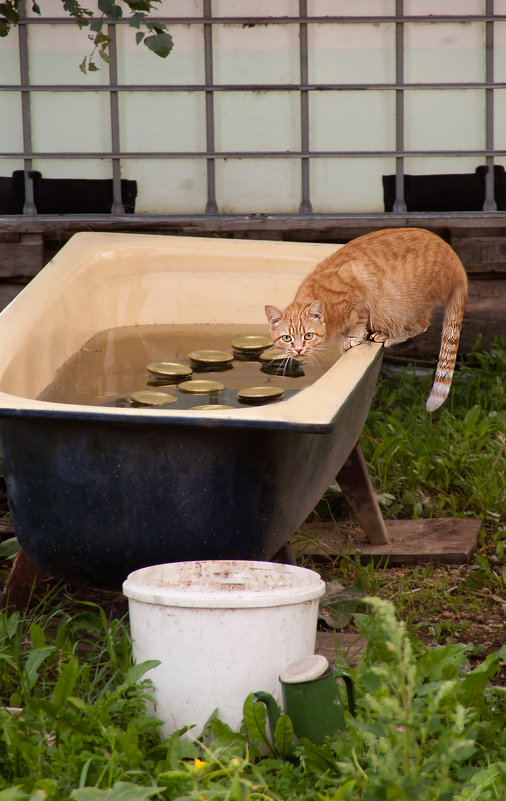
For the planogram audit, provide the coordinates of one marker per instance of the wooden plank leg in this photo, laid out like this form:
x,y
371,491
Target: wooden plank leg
x,y
355,482
21,581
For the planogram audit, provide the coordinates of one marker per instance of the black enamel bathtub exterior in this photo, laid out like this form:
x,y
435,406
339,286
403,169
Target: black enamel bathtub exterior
x,y
94,498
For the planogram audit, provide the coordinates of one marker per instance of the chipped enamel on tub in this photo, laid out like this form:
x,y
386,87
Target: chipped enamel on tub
x,y
98,491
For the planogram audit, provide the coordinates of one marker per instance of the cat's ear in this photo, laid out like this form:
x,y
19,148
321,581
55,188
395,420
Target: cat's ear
x,y
316,311
273,314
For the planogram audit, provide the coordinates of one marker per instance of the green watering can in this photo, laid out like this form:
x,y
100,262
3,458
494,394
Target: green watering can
x,y
311,698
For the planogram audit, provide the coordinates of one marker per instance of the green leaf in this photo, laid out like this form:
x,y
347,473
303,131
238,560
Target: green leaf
x,y
139,5
66,683
121,791
137,671
317,758
13,794
160,43
283,736
35,8
139,36
37,636
9,548
136,20
471,418
10,12
110,9
255,719
339,604
34,661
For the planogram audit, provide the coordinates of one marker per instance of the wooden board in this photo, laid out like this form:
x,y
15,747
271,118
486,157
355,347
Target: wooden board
x,y
482,254
485,315
340,645
21,255
8,292
449,540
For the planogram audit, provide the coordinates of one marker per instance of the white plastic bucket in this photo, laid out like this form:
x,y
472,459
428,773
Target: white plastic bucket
x,y
221,629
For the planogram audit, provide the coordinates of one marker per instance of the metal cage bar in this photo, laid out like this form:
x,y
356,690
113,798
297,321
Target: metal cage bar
x,y
305,206
489,204
117,202
207,21
24,71
211,205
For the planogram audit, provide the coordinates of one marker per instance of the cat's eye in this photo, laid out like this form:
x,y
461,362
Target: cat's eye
x,y
286,338
309,335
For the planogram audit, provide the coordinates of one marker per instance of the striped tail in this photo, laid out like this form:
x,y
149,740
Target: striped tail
x,y
450,335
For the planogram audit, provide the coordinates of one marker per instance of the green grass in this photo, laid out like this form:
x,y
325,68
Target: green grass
x,y
430,719
427,727
448,463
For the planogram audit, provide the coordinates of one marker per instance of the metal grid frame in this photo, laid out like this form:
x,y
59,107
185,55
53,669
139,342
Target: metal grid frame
x,y
304,87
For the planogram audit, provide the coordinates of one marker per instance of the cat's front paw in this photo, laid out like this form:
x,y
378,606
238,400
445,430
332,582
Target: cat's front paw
x,y
351,342
377,336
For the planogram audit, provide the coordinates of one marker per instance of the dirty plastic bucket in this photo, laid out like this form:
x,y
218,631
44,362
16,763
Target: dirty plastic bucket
x,y
221,630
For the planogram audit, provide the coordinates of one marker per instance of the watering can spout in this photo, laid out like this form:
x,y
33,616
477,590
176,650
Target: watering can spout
x,y
273,713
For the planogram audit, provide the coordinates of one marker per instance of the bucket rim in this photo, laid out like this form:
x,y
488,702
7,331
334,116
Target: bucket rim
x,y
306,585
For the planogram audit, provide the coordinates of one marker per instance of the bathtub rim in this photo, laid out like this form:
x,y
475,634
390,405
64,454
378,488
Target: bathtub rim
x,y
304,411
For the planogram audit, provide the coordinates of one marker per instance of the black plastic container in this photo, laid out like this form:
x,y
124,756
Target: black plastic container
x,y
446,192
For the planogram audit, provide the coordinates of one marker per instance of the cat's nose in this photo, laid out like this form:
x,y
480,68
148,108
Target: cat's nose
x,y
299,350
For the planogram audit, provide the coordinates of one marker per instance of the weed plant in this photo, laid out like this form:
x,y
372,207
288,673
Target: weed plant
x,y
452,462
73,707
426,727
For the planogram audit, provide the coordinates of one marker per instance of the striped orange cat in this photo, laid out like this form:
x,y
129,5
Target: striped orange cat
x,y
382,287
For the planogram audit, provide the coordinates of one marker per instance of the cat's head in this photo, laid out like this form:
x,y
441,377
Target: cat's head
x,y
297,329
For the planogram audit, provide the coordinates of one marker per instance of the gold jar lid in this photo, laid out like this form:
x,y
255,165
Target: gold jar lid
x,y
274,355
201,386
211,407
168,369
260,394
147,398
251,342
207,357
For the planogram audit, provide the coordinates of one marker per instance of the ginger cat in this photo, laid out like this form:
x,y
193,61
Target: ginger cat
x,y
381,286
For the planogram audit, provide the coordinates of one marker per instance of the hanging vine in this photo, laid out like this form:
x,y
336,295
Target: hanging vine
x,y
150,33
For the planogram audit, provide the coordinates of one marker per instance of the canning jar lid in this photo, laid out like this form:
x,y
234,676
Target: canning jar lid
x,y
148,398
274,355
211,407
253,342
168,369
207,357
260,394
199,386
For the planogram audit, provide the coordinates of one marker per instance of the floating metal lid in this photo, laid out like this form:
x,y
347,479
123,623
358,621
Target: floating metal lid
x,y
149,398
260,394
200,386
274,355
168,369
251,342
207,357
211,407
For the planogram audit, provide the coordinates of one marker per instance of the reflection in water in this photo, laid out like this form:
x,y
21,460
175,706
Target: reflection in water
x,y
113,363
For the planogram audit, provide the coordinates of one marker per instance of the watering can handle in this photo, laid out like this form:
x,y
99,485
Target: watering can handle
x,y
350,689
